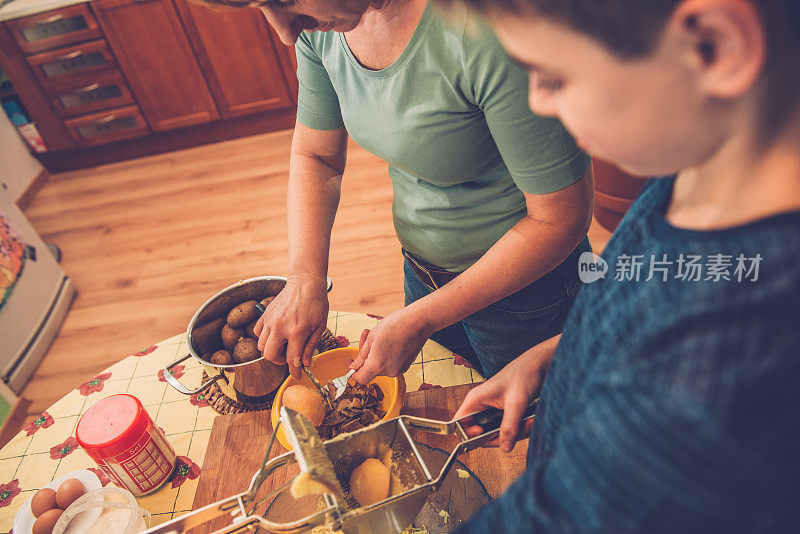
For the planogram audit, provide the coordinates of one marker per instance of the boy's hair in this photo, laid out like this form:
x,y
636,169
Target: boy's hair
x,y
632,28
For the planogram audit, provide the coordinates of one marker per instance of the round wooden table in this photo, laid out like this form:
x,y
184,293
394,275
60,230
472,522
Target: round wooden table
x,y
47,449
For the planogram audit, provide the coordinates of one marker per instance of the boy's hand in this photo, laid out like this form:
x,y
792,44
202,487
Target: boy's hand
x,y
511,390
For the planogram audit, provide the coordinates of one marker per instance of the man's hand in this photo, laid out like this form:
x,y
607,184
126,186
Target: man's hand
x,y
511,390
296,318
390,347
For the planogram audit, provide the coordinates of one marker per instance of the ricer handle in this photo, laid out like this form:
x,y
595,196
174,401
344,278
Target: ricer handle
x,y
489,420
197,517
236,508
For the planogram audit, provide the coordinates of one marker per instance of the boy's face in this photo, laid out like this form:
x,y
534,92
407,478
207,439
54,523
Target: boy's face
x,y
648,115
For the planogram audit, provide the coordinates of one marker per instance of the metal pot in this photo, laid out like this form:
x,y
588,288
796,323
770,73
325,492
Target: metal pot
x,y
253,382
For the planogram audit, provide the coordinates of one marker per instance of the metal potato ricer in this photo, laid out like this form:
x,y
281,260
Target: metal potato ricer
x,y
320,496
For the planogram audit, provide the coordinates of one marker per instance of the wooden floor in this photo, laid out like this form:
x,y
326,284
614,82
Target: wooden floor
x,y
149,240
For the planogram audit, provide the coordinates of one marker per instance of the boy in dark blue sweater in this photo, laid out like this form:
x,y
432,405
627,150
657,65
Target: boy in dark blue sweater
x,y
671,403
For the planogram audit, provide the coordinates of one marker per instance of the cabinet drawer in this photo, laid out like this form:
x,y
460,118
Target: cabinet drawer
x,y
52,29
77,61
107,126
93,93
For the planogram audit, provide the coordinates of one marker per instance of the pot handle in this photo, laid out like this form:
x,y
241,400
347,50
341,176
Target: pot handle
x,y
172,381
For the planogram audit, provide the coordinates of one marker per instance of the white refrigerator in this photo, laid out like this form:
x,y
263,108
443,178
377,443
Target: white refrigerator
x,y
35,295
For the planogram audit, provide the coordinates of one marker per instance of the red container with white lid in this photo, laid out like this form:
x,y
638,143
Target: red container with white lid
x,y
118,433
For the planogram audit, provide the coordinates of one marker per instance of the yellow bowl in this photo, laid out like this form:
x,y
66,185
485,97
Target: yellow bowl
x,y
328,365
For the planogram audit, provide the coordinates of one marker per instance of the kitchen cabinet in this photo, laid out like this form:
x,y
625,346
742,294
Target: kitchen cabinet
x,y
170,73
240,57
155,56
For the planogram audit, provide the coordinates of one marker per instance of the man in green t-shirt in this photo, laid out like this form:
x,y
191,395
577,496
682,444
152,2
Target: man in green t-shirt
x,y
491,203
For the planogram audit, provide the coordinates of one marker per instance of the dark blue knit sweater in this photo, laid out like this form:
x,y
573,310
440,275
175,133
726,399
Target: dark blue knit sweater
x,y
671,406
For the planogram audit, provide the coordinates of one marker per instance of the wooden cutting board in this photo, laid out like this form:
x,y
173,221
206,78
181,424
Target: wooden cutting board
x,y
238,442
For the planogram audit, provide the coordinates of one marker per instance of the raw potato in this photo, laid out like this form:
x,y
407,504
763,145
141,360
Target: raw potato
x,y
243,314
207,337
42,501
267,301
369,482
222,357
246,350
45,523
249,330
305,400
68,492
230,336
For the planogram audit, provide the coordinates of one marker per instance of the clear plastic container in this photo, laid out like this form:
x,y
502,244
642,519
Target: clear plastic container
x,y
118,513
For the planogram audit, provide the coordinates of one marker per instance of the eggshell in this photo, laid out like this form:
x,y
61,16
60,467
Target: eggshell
x,y
369,482
307,401
42,501
68,492
45,523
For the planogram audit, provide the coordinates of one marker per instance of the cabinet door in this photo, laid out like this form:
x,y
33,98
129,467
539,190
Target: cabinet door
x,y
155,56
238,56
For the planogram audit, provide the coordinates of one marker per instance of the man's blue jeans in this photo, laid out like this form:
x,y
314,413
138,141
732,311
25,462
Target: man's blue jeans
x,y
495,335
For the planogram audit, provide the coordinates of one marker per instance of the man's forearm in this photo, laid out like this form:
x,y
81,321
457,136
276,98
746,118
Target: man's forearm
x,y
524,254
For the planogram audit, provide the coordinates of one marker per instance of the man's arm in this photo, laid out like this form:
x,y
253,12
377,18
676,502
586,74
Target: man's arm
x,y
298,315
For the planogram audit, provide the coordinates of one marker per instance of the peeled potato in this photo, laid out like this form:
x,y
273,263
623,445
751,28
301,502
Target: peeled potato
x,y
44,523
42,501
68,492
243,314
305,400
369,482
246,350
230,336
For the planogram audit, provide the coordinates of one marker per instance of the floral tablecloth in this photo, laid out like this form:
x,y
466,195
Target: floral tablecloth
x,y
46,448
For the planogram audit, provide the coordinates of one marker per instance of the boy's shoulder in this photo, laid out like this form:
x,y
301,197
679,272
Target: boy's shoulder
x,y
703,313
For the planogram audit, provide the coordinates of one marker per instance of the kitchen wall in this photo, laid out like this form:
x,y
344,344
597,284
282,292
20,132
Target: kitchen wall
x,y
18,168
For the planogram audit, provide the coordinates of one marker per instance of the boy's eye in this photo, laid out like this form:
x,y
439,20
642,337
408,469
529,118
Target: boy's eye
x,y
542,83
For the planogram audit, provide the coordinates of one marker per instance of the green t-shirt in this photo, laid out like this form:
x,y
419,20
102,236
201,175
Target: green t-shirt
x,y
451,118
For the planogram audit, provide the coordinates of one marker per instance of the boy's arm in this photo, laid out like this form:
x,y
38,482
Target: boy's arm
x,y
658,447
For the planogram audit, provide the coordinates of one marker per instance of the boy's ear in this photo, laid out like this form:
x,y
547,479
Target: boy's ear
x,y
726,43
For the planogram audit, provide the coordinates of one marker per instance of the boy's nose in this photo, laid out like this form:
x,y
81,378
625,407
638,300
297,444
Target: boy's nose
x,y
541,102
